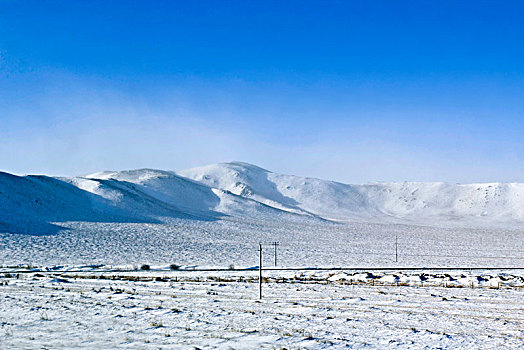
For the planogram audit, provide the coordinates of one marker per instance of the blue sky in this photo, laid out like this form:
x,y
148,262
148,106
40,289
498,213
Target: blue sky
x,y
353,91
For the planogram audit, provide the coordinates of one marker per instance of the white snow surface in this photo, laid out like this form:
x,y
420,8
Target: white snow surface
x,y
408,202
175,310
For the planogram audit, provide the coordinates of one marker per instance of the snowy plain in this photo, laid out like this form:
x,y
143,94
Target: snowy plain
x,y
307,311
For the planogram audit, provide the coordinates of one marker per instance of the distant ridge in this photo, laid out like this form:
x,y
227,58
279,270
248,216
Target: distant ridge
x,y
242,190
421,202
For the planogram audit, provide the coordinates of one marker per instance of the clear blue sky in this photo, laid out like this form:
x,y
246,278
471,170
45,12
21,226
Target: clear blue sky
x,y
354,91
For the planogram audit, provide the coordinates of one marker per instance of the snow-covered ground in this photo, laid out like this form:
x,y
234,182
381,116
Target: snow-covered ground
x,y
304,311
231,241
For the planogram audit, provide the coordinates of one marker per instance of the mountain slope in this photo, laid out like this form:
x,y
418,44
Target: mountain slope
x,y
190,196
30,204
328,199
427,203
35,204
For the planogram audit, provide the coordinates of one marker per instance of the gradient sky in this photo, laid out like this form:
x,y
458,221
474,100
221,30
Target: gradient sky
x,y
354,91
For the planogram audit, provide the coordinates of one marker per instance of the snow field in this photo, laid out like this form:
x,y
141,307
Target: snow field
x,y
235,242
62,312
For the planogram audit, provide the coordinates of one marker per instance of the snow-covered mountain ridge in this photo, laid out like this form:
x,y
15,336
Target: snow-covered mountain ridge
x,y
414,201
246,191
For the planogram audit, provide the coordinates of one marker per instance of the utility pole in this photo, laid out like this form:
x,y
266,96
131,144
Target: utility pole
x,y
260,270
396,248
275,244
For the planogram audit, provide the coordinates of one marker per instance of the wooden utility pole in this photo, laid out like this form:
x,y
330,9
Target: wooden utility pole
x,y
260,270
275,244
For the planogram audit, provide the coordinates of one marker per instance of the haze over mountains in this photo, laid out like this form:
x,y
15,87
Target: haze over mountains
x,y
37,204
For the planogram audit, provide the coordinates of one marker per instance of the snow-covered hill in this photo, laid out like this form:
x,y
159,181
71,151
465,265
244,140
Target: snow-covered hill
x,y
31,204
424,203
35,204
184,194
